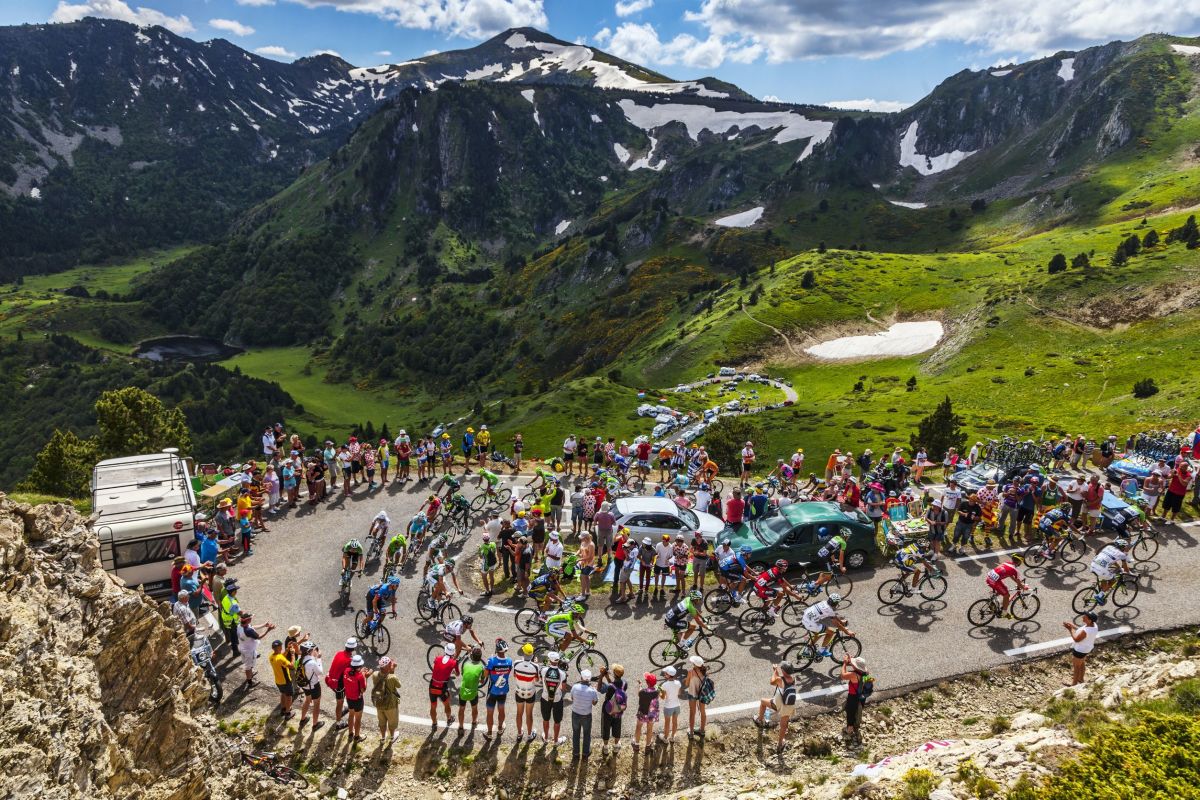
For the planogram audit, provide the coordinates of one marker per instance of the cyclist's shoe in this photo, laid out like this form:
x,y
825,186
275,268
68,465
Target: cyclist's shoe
x,y
825,653
811,587
1101,598
908,592
1047,553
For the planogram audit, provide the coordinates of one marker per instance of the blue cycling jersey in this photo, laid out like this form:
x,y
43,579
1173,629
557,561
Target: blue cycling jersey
x,y
729,563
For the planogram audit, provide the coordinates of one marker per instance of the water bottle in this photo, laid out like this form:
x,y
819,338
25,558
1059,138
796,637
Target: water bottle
x,y
767,715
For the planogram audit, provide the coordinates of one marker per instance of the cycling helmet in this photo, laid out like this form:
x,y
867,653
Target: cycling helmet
x,y
449,562
1121,543
835,599
822,531
745,549
726,543
468,620
1018,559
354,544
1064,506
383,515
696,594
555,572
578,608
527,649
394,580
781,564
501,645
553,656
308,647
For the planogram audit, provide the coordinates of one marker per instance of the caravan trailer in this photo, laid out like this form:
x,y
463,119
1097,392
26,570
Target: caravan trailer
x,y
144,510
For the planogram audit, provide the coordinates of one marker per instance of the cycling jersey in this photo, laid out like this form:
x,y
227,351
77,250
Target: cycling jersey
x,y
734,563
766,578
381,591
816,614
489,476
1002,571
682,610
909,555
621,461
499,669
525,677
455,628
832,547
553,681
419,523
1053,519
453,483
544,474
1106,559
396,544
541,584
349,550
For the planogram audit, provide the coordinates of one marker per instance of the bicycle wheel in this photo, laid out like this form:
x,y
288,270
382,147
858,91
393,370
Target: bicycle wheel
x,y
360,624
636,484
528,622
891,592
1035,555
1072,550
842,584
933,586
215,690
503,496
1125,592
1084,600
286,775
433,652
478,502
381,641
374,551
528,498
423,609
663,653
718,602
800,655
1144,549
843,646
591,659
754,620
981,612
1025,607
717,485
710,647
449,613
792,614
344,594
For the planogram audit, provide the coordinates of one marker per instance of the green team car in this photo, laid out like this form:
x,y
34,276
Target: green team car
x,y
792,534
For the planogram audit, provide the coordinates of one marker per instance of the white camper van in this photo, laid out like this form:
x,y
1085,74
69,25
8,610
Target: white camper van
x,y
144,511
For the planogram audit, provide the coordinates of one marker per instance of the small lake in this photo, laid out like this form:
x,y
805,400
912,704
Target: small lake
x,y
901,339
185,348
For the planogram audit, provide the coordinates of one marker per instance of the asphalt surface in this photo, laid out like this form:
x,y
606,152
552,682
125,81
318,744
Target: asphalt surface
x,y
292,578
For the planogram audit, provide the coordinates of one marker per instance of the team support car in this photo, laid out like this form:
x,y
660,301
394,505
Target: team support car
x,y
794,534
1136,466
974,478
654,516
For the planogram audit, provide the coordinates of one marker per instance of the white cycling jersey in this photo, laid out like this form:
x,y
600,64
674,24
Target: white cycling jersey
x,y
1106,559
816,614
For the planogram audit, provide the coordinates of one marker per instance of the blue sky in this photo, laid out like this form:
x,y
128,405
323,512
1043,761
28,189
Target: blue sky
x,y
887,52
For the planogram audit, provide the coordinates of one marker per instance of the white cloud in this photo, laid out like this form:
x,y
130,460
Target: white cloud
x,y
326,53
868,104
771,98
474,19
627,8
232,26
118,9
384,53
797,29
639,42
275,51
256,2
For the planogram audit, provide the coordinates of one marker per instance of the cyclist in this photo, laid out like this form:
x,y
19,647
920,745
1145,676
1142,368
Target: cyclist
x,y
786,474
995,581
417,526
457,628
397,550
434,554
567,626
352,556
708,470
1052,524
681,480
1115,554
489,479
436,580
431,508
818,619
547,591
770,585
379,597
733,569
543,478
379,526
833,553
911,559
685,616
451,484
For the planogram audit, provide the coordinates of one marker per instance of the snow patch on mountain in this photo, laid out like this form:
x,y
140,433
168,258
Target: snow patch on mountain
x,y
696,118
1000,73
1066,69
926,164
1186,49
742,220
621,152
483,72
903,204
562,226
595,118
644,161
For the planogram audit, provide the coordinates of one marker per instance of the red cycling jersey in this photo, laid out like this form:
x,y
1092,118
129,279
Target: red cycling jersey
x,y
762,583
995,578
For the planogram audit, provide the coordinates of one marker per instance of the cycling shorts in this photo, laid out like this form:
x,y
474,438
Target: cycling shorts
x,y
557,630
733,573
813,626
1101,573
677,623
765,592
999,587
905,566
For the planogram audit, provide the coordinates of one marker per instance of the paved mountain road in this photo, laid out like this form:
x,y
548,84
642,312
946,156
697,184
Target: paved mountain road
x,y
292,579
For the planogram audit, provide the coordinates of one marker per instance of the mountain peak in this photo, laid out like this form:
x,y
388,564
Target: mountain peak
x,y
526,33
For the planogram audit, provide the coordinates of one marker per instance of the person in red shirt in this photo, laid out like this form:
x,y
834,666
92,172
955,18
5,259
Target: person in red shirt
x,y
643,451
1177,488
354,684
995,580
445,667
618,558
735,508
852,494
335,677
177,574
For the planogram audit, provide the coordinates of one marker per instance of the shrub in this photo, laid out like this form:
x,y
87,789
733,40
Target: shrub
x,y
1144,388
1022,789
816,747
1057,264
1000,725
919,784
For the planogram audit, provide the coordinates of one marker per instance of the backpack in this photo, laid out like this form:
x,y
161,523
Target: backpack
x,y
789,695
552,680
569,567
1060,450
614,706
866,686
707,692
379,693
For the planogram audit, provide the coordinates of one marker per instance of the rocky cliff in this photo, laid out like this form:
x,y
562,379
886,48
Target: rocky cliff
x,y
99,697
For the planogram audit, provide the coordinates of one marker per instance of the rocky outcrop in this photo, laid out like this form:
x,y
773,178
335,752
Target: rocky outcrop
x,y
99,697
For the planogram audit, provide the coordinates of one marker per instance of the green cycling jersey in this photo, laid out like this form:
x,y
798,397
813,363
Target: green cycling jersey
x,y
489,476
544,474
565,616
396,543
352,549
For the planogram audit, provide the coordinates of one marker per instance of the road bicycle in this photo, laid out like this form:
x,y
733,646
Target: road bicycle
x,y
1122,594
268,762
375,548
931,586
1070,548
532,620
457,519
805,653
708,646
373,632
584,653
442,611
344,586
1024,607
499,497
1145,545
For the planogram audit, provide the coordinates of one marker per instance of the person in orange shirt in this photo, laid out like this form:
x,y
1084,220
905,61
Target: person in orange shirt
x,y
664,462
832,464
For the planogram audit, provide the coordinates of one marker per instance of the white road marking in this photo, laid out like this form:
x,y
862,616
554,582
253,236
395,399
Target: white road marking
x,y
500,609
989,554
740,707
1066,640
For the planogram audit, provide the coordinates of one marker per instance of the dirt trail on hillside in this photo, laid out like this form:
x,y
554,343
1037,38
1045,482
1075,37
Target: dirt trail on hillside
x,y
781,334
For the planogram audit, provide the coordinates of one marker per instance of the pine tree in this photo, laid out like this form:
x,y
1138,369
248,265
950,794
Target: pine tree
x,y
808,280
64,466
940,431
820,247
911,383
1133,245
1081,261
1119,258
1150,239
1057,264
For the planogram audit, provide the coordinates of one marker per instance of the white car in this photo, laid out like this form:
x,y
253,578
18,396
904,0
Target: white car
x,y
654,516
